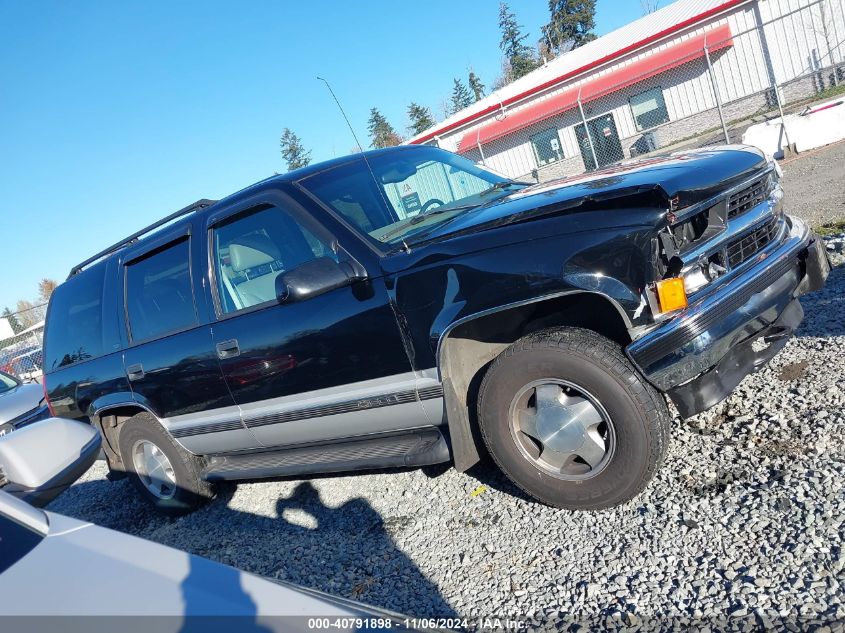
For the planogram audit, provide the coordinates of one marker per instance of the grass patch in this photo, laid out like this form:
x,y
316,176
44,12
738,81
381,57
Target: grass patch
x,y
833,91
831,228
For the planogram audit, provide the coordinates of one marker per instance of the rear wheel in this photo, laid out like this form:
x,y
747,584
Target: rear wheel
x,y
570,421
166,475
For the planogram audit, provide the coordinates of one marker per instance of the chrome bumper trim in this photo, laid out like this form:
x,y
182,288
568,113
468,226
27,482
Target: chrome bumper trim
x,y
731,295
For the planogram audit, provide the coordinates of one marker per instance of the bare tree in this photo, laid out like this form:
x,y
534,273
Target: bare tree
x,y
649,6
825,33
45,289
445,108
505,75
25,314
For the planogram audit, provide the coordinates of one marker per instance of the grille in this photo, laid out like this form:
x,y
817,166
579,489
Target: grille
x,y
744,247
742,201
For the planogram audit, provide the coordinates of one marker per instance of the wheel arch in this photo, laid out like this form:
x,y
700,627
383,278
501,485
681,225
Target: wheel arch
x,y
468,346
108,419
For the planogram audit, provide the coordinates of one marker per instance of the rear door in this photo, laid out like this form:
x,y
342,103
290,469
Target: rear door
x,y
83,361
170,359
329,367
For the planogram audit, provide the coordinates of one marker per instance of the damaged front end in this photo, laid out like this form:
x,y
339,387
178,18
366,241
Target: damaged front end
x,y
708,240
740,263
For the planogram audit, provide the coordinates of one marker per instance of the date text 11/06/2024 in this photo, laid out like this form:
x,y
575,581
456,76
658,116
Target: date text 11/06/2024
x,y
374,624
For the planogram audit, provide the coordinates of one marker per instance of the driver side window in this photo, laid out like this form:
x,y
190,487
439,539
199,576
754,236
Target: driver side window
x,y
253,248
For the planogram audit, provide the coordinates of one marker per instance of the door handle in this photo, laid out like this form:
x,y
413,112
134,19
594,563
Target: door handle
x,y
135,372
228,349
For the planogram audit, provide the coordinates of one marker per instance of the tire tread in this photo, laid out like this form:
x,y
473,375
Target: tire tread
x,y
589,344
194,490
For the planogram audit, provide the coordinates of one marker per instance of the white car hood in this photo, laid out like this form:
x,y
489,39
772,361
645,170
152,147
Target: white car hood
x,y
81,569
19,400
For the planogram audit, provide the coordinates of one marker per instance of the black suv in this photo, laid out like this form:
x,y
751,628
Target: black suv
x,y
406,307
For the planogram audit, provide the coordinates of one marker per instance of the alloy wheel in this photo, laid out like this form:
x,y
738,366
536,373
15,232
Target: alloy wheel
x,y
154,469
562,429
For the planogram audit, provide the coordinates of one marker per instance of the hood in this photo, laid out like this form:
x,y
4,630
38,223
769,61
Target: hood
x,y
670,181
20,400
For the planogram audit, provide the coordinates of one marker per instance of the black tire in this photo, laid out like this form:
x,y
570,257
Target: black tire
x,y
639,415
190,492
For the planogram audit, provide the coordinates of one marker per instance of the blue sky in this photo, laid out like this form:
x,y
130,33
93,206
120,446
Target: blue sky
x,y
114,114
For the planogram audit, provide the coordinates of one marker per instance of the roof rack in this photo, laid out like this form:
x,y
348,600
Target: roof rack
x,y
196,206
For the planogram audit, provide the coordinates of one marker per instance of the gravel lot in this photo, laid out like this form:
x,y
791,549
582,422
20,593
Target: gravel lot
x,y
815,184
742,527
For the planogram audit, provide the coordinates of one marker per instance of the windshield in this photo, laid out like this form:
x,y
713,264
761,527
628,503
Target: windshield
x,y
408,193
7,383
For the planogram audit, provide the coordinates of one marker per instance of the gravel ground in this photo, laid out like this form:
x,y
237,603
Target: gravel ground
x,y
742,527
814,183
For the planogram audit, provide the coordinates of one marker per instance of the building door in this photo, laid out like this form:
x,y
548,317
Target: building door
x,y
605,139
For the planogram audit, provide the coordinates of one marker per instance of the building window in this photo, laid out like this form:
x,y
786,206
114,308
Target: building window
x,y
547,147
649,108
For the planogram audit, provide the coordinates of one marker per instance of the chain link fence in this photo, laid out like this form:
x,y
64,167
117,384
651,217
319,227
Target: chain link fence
x,y
770,59
21,341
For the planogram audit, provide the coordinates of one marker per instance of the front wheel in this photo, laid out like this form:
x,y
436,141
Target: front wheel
x,y
165,474
570,421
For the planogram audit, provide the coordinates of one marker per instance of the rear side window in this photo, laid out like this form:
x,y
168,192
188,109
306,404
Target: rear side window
x,y
159,293
74,323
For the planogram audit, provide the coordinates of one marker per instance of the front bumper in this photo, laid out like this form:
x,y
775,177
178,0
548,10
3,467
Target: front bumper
x,y
702,354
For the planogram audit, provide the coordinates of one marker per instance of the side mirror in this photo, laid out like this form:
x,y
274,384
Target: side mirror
x,y
313,278
42,460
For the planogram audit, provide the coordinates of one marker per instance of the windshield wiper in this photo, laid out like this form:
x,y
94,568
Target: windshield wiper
x,y
502,184
497,186
421,217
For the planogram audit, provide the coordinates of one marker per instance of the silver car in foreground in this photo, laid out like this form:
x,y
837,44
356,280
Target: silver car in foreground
x,y
20,403
61,574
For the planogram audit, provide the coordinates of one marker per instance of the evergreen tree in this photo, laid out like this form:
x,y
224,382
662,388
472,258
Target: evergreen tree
x,y
293,152
476,86
381,132
519,56
461,97
420,117
570,26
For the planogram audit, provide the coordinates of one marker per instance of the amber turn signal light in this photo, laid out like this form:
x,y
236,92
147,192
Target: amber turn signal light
x,y
671,294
